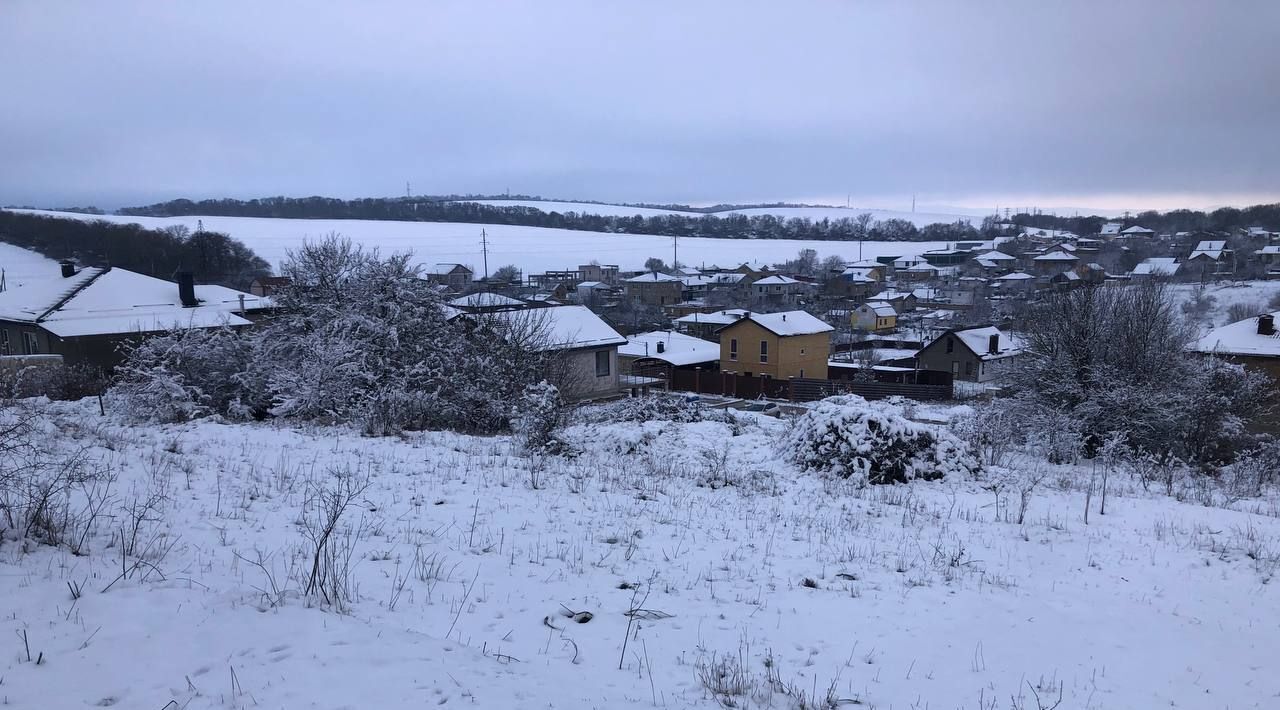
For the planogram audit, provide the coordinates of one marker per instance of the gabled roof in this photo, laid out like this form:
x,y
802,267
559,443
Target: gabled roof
x,y
1110,228
116,301
485,300
1136,229
1156,266
724,317
996,256
653,277
890,295
1240,338
787,323
1015,276
978,340
1057,256
446,269
1269,249
879,308
562,327
1212,249
677,348
778,280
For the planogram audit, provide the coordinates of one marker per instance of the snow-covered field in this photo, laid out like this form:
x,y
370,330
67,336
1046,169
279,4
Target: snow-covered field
x,y
470,566
920,219
533,249
1257,295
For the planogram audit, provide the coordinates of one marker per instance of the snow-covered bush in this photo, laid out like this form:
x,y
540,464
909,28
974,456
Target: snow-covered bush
x,y
183,374
653,408
849,437
1255,470
537,416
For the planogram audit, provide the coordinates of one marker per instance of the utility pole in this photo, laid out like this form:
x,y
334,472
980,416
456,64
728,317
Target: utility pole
x,y
913,203
407,193
484,247
675,251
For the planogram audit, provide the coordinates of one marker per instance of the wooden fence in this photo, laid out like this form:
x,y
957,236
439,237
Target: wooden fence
x,y
798,389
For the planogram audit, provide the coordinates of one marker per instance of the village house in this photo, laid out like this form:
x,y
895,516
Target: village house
x,y
902,301
874,317
660,353
981,354
654,289
777,345
1269,257
268,285
486,302
779,290
455,277
1252,342
1155,267
707,325
1054,262
587,344
85,315
1209,258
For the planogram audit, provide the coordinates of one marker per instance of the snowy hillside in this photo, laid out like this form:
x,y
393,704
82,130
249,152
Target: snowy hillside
x,y
920,219
534,249
668,565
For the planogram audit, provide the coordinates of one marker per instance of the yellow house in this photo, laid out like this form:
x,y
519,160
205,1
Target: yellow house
x,y
778,345
875,316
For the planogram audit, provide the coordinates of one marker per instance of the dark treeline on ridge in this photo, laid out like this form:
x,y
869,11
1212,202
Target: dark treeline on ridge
x,y
213,257
713,222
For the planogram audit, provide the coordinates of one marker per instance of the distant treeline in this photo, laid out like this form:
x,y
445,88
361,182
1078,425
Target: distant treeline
x,y
213,257
1219,220
419,209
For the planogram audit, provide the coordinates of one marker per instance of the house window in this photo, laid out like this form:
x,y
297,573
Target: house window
x,y
733,349
802,351
951,345
968,369
602,363
30,343
764,351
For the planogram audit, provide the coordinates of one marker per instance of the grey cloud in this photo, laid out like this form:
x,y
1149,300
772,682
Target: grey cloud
x,y
957,101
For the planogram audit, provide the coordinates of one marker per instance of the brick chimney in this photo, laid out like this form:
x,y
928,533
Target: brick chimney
x,y
662,347
187,289
68,268
1266,324
993,344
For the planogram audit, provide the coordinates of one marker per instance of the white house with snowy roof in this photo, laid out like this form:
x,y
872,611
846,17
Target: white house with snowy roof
x,y
85,314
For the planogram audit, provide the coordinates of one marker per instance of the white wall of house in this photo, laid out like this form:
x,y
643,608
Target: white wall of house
x,y
582,366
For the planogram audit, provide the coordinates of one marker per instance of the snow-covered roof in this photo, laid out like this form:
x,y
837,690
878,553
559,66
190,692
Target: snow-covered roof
x,y
997,256
789,323
889,295
1057,256
592,284
923,268
866,264
560,327
1015,276
677,348
1111,228
445,269
724,317
879,308
652,277
776,281
687,271
1137,229
1241,338
696,281
116,301
979,340
1269,249
485,299
1156,266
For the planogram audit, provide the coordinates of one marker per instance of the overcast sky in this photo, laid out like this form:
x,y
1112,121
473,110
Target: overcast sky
x,y
1109,104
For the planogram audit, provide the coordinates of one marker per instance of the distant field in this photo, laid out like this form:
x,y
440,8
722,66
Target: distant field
x,y
920,219
531,248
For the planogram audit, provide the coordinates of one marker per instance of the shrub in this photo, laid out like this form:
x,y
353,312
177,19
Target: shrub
x,y
649,409
850,437
537,416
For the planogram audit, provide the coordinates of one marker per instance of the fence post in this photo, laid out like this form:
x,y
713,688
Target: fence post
x,y
791,388
697,380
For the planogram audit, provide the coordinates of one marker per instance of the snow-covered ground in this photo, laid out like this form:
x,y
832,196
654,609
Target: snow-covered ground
x,y
920,219
467,560
1257,295
533,249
